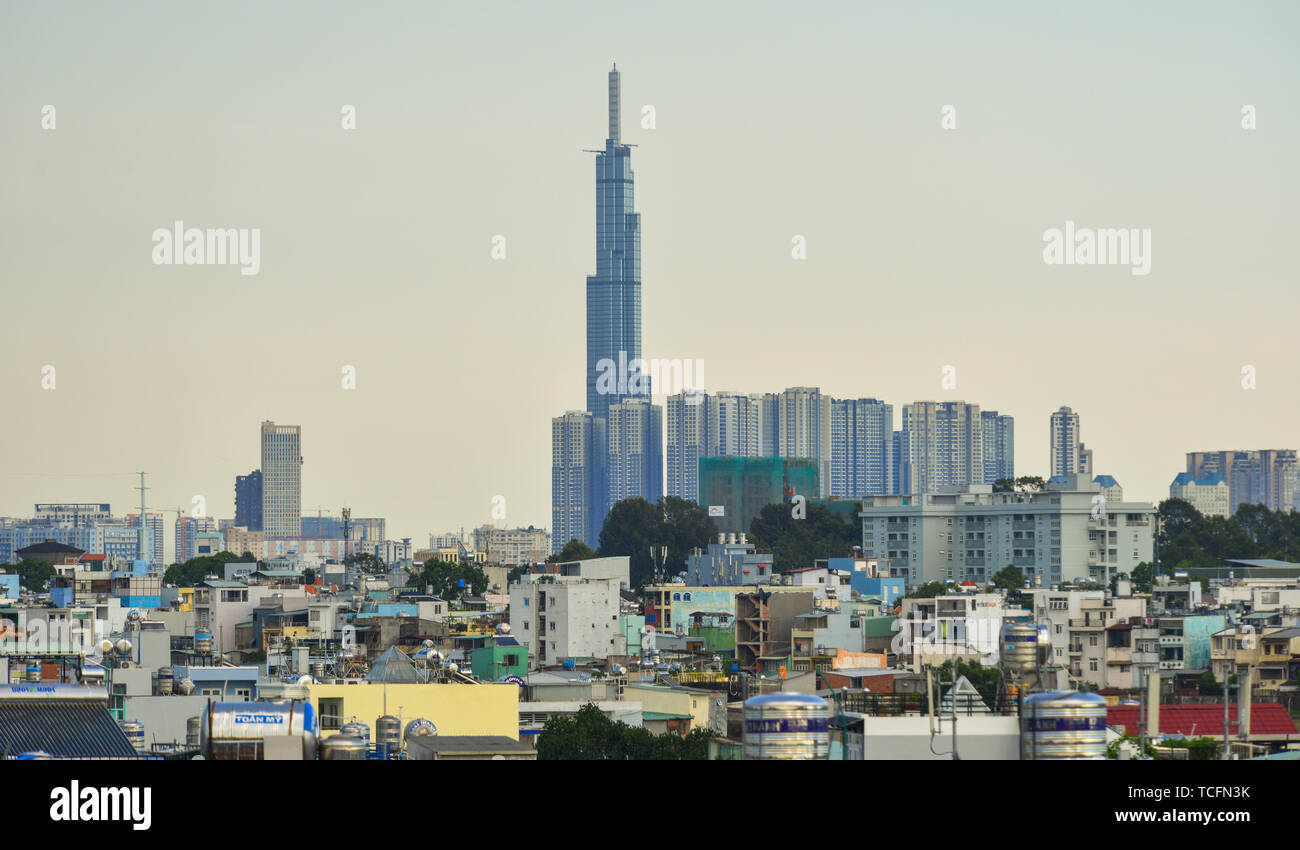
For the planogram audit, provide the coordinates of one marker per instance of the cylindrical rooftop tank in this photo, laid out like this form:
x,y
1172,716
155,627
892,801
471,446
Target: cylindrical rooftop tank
x,y
318,670
787,726
1024,648
203,643
356,729
343,748
417,727
192,731
134,731
225,723
166,681
1062,725
388,730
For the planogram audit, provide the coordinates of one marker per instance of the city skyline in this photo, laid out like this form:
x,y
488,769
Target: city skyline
x,y
357,266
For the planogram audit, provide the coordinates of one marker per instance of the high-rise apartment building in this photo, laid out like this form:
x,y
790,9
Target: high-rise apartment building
x,y
804,429
942,446
578,497
281,480
862,447
1069,455
688,441
248,500
999,446
635,432
735,425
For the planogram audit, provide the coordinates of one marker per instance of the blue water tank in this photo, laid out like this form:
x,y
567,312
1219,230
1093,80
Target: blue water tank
x,y
569,664
735,668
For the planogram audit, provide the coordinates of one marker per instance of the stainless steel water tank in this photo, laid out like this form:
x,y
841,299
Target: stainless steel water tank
x,y
787,726
134,731
166,681
1063,725
356,729
253,721
1024,647
388,730
418,726
192,731
343,748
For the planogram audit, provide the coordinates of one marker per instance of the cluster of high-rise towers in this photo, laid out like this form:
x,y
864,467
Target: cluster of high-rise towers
x,y
615,449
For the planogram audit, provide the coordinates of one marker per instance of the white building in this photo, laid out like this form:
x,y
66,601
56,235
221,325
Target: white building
x,y
281,480
1063,533
560,617
1208,494
512,545
941,445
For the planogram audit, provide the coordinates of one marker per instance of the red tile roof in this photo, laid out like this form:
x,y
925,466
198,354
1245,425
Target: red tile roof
x,y
93,557
1266,718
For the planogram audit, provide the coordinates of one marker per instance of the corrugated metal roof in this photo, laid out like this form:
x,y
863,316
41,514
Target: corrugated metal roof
x,y
64,728
1266,718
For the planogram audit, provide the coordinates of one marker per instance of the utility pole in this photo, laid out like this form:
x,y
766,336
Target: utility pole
x,y
144,524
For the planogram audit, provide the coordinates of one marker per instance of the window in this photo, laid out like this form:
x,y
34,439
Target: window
x,y
331,713
1092,665
243,693
210,692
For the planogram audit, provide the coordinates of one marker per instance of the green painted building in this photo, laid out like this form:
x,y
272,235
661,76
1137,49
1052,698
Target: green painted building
x,y
503,657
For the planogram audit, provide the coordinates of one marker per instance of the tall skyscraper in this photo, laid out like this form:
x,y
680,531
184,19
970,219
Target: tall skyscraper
x,y
942,446
1069,456
281,480
999,446
805,429
635,432
248,500
862,447
578,499
688,441
615,370
614,291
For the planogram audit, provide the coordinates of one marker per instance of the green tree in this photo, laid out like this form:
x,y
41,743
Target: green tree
x,y
632,528
591,736
443,578
986,680
309,576
367,563
34,575
1010,578
574,550
796,543
929,590
673,527
196,570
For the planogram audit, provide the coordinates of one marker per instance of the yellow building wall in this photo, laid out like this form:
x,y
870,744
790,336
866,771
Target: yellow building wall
x,y
668,701
488,709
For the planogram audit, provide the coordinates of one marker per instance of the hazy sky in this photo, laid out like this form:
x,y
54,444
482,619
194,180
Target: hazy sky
x,y
772,120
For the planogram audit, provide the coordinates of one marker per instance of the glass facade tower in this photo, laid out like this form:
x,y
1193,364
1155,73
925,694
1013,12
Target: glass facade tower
x,y
614,291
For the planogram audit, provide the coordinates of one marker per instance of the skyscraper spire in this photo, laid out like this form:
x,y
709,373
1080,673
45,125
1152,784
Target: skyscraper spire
x,y
613,104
